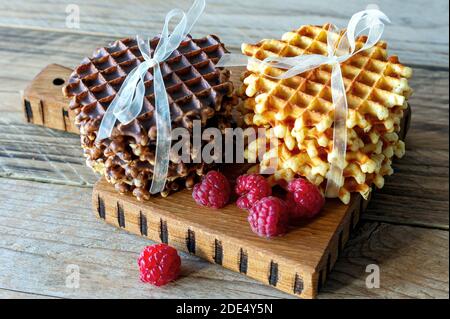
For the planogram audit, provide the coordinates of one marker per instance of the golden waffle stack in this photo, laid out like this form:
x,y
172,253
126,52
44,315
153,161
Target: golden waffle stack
x,y
197,90
299,111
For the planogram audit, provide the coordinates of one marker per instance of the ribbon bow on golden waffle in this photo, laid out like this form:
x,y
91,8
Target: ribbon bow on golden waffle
x,y
127,105
341,46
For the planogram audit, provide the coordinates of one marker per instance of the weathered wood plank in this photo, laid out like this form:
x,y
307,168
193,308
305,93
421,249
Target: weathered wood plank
x,y
31,152
418,31
406,256
36,49
60,230
41,154
10,106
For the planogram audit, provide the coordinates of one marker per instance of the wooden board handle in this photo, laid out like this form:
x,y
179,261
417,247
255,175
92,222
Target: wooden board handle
x,y
44,103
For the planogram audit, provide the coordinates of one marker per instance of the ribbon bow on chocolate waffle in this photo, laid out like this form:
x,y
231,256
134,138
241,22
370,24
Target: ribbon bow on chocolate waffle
x,y
131,98
128,102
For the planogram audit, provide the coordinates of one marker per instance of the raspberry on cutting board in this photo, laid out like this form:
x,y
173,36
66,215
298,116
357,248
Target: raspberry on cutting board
x,y
251,188
214,191
304,199
269,217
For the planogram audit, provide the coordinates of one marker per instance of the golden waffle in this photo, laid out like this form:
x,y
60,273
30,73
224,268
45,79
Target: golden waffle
x,y
299,110
363,167
196,91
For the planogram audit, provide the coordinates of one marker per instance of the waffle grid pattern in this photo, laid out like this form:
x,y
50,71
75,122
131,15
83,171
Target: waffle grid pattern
x,y
196,91
299,110
191,80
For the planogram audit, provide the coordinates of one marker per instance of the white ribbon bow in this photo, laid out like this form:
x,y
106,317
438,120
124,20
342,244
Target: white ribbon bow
x,y
338,52
127,105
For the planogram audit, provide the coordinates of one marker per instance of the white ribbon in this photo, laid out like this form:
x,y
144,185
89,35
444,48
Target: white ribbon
x,y
370,21
127,105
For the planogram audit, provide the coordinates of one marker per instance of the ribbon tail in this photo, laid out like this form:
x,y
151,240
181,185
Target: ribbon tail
x,y
294,65
107,125
109,118
136,94
194,14
231,60
164,138
335,178
120,102
168,44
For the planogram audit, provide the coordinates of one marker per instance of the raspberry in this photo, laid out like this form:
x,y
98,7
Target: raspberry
x,y
214,191
304,199
269,217
159,264
251,188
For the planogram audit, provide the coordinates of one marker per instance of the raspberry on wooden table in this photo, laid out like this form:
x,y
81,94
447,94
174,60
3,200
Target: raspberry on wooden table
x,y
213,191
304,199
159,264
251,188
269,217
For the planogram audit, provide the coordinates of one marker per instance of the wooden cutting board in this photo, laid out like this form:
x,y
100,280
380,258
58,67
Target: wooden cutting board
x,y
298,263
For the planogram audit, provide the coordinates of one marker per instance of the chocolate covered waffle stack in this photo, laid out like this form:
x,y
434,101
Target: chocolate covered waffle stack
x,y
196,91
298,112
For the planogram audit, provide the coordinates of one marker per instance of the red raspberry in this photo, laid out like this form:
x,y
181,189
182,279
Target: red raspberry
x,y
214,191
269,217
251,188
304,199
159,264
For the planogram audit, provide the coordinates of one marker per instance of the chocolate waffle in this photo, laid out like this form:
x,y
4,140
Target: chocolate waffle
x,y
196,91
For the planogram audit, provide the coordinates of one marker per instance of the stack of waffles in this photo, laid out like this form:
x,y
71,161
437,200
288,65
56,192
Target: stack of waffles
x,y
298,112
197,90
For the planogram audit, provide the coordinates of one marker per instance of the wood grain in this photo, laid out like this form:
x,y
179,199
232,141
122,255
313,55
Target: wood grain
x,y
400,252
418,31
41,154
59,230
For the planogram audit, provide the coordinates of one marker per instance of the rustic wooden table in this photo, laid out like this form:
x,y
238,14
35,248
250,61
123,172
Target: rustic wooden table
x,y
46,224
